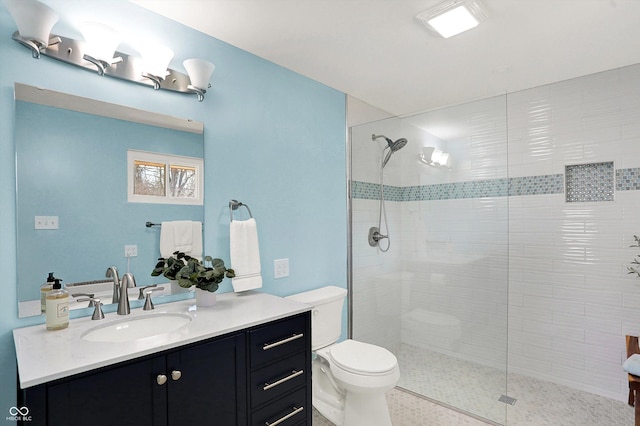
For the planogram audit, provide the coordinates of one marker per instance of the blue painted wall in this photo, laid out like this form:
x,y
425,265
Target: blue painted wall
x,y
273,139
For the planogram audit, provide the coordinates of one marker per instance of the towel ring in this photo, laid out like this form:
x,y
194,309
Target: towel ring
x,y
234,205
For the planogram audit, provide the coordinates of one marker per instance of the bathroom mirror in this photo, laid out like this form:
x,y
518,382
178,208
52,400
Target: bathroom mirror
x,y
71,174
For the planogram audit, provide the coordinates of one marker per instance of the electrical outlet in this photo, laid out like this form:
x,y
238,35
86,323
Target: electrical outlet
x,y
130,251
46,222
281,268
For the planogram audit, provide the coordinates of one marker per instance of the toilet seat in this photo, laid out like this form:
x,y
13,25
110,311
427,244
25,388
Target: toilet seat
x,y
362,358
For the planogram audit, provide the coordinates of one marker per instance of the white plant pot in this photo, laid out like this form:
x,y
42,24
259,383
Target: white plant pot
x,y
205,298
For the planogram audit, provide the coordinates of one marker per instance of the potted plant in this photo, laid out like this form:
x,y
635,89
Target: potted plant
x,y
636,261
188,271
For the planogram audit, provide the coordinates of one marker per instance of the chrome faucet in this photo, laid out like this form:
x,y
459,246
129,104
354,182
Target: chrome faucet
x,y
128,281
112,272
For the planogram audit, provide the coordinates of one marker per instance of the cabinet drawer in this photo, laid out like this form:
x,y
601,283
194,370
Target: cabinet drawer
x,y
279,378
275,341
287,411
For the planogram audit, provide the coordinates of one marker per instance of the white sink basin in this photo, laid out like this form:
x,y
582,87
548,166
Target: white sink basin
x,y
129,329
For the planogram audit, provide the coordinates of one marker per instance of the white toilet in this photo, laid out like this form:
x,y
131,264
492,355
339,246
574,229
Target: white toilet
x,y
349,378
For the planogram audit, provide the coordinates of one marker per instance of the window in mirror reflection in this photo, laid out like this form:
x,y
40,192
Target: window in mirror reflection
x,y
163,178
148,178
183,181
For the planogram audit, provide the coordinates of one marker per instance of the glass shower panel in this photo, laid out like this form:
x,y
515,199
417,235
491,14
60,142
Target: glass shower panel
x,y
438,297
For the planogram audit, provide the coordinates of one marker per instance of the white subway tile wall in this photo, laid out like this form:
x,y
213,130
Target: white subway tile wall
x,y
493,243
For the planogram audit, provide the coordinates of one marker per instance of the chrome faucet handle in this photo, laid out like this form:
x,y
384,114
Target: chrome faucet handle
x,y
90,298
143,290
97,312
148,303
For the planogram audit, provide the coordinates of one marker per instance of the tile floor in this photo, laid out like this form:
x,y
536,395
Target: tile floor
x,y
539,403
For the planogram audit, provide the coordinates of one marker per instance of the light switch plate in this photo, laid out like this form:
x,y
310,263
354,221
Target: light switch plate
x,y
130,251
46,222
281,268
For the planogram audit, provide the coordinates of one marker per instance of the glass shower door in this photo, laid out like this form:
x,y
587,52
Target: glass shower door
x,y
438,297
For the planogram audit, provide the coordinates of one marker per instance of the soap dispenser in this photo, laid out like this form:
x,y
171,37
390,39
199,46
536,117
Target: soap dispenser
x,y
44,289
57,309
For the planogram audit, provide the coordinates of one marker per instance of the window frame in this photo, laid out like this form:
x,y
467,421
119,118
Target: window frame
x,y
168,160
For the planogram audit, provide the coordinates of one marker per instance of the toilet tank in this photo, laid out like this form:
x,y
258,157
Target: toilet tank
x,y
326,315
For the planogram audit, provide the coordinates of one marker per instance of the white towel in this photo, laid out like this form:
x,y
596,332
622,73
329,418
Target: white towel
x,y
632,365
181,235
245,255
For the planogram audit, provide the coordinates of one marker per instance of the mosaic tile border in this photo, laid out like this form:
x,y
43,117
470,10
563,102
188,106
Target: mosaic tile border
x,y
625,180
628,179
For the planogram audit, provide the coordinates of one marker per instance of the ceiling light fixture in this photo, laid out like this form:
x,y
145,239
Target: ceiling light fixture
x,y
453,17
35,20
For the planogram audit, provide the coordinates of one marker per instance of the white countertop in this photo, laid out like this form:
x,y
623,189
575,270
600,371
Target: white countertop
x,y
44,355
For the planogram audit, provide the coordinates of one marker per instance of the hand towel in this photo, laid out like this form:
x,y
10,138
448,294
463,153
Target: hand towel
x,y
181,235
245,255
632,365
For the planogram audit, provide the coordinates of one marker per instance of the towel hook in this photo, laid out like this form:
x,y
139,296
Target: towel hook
x,y
234,205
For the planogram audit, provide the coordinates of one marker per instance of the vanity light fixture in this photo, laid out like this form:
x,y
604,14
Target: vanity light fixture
x,y
156,58
453,17
101,42
35,20
434,157
200,72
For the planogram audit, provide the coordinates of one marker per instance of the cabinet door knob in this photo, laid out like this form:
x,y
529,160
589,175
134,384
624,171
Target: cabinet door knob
x,y
161,379
176,374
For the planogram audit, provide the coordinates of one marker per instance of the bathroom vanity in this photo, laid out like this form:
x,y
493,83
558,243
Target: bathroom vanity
x,y
244,361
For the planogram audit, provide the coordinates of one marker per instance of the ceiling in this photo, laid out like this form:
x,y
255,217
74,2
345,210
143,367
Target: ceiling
x,y
376,51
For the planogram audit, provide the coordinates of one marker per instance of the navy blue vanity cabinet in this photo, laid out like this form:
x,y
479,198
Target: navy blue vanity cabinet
x,y
209,384
199,384
255,376
280,372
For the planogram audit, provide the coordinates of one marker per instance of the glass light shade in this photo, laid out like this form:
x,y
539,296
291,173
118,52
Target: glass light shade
x,y
452,17
101,40
199,71
453,22
427,152
156,59
440,158
34,19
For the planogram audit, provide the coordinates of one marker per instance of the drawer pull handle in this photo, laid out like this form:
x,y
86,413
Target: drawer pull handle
x,y
288,416
268,346
293,374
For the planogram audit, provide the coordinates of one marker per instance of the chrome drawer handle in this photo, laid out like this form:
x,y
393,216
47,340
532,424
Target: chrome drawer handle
x,y
293,374
268,346
288,416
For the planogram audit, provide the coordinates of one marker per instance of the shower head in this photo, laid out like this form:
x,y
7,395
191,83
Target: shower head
x,y
392,146
397,145
400,143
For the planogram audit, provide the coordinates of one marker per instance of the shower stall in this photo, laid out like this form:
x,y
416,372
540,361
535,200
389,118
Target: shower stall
x,y
433,288
511,224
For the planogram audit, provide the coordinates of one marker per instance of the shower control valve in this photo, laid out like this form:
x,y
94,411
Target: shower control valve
x,y
375,236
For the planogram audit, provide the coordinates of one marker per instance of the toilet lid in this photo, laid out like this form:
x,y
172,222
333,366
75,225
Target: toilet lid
x,y
362,358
